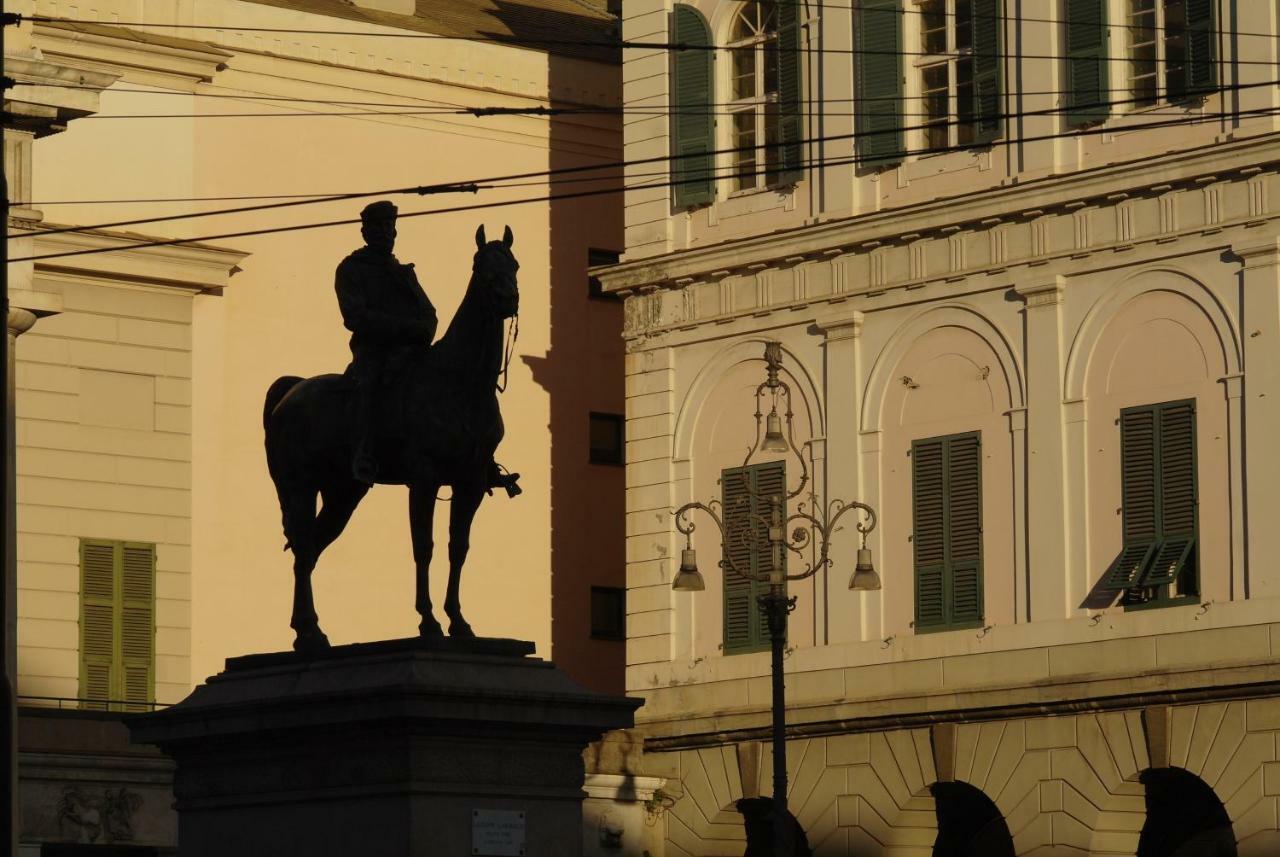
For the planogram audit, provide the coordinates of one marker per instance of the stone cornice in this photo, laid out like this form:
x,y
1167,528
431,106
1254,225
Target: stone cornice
x,y
118,50
41,100
1053,195
190,267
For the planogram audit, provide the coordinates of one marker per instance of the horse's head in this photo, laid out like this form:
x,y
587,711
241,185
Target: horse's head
x,y
495,270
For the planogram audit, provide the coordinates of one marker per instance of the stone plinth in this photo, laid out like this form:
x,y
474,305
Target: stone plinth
x,y
382,750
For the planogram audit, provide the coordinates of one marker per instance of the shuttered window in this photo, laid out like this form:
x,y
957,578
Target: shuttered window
x,y
877,36
692,128
987,67
790,95
1088,87
946,504
1172,49
1158,497
117,624
745,493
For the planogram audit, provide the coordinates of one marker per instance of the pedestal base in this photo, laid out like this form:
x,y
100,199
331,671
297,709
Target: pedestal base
x,y
407,747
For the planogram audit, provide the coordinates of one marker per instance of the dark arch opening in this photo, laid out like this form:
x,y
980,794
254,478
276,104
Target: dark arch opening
x,y
1184,817
969,824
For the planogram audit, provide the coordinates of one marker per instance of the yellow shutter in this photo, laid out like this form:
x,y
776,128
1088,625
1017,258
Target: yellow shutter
x,y
97,622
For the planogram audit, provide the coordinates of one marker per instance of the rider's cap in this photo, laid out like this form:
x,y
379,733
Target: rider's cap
x,y
377,211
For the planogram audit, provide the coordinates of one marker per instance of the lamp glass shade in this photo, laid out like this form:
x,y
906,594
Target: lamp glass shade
x,y
864,577
773,439
688,578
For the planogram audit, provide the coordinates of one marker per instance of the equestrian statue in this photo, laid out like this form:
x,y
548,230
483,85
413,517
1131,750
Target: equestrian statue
x,y
406,412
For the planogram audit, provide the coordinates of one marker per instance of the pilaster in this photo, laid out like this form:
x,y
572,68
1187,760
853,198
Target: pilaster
x,y
1260,322
1045,469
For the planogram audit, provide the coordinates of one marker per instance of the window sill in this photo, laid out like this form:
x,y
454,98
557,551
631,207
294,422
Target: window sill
x,y
1160,603
959,626
779,189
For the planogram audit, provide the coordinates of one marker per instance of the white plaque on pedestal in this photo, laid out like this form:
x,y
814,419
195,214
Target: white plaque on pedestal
x,y
497,833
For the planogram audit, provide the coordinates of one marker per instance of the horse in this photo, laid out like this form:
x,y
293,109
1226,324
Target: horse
x,y
445,404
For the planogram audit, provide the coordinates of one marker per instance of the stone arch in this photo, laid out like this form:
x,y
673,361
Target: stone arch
x,y
950,315
797,372
1184,817
1165,279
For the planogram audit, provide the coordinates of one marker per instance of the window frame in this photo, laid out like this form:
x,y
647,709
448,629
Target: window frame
x,y
1162,93
598,631
594,455
960,124
764,104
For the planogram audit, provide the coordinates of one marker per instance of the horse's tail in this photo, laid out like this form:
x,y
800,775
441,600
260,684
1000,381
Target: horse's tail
x,y
277,391
275,394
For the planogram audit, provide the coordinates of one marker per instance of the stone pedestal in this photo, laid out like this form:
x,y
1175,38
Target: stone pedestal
x,y
392,749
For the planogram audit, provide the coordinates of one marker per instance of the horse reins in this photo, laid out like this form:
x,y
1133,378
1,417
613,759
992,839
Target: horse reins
x,y
508,349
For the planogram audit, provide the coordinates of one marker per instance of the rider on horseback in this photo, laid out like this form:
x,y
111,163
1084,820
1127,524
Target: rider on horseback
x,y
389,316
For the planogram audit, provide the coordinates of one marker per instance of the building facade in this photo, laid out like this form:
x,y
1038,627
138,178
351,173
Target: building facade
x,y
149,544
1024,269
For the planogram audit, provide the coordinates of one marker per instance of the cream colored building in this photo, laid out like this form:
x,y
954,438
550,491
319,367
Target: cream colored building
x,y
1013,311
149,539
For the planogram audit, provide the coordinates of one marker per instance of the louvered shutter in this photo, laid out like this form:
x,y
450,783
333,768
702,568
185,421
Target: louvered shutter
x,y
1087,79
1202,65
97,623
877,38
1176,446
986,61
964,527
1138,499
929,531
739,605
745,494
137,624
790,93
692,123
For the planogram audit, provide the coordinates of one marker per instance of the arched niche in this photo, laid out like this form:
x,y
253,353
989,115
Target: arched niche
x,y
948,373
1185,818
1164,342
715,428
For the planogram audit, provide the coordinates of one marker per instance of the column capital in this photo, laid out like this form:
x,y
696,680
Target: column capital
x,y
847,326
1261,255
20,321
1042,292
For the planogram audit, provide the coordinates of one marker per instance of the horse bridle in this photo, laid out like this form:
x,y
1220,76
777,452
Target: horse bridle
x,y
508,349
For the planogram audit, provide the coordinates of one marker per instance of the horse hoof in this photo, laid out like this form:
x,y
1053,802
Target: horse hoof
x,y
430,629
460,628
310,644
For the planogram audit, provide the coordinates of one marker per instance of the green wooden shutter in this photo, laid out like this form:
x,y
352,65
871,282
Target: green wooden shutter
x,y
877,38
97,623
1202,65
1176,444
986,61
790,94
929,536
1087,79
964,527
692,122
745,494
137,625
947,531
1138,501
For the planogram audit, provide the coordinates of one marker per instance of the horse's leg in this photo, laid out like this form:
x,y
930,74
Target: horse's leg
x,y
339,502
300,528
462,512
422,509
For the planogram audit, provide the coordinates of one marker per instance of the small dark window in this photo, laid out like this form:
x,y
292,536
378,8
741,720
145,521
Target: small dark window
x,y
608,613
595,258
606,439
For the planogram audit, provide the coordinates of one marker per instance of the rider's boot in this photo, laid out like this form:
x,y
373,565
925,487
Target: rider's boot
x,y
364,467
506,481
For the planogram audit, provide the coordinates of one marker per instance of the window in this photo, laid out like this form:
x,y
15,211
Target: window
x,y
946,72
608,613
117,624
606,438
753,90
595,258
692,173
946,503
745,493
1170,45
877,34
1088,86
1157,561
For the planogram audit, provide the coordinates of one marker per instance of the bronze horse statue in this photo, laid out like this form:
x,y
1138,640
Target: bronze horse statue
x,y
440,426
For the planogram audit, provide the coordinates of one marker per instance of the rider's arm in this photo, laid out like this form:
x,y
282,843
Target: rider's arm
x,y
359,317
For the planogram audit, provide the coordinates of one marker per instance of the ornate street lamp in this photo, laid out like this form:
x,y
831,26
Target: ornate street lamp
x,y
814,523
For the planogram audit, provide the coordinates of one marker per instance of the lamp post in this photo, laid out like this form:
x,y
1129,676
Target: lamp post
x,y
814,522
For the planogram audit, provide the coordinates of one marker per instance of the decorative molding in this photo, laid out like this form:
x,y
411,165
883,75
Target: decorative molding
x,y
1212,204
192,267
118,50
849,327
1044,293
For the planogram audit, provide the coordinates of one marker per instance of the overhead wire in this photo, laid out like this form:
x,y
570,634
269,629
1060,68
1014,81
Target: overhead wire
x,y
500,182
553,198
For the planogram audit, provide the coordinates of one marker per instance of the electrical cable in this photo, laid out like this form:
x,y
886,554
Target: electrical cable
x,y
553,198
496,180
